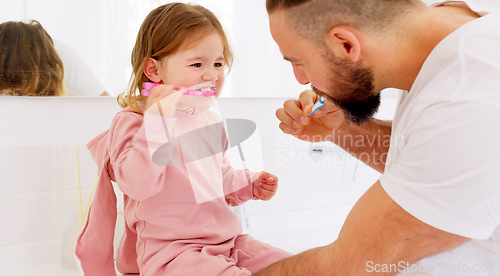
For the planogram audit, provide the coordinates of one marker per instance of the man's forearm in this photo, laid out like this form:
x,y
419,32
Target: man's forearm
x,y
369,142
376,233
317,261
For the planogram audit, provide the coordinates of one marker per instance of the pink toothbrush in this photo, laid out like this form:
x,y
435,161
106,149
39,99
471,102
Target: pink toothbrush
x,y
204,91
148,86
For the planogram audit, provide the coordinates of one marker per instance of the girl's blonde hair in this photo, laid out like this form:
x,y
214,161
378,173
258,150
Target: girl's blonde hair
x,y
164,31
29,63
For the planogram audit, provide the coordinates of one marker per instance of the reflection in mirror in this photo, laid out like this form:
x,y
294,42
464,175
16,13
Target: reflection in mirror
x,y
98,35
102,34
89,37
29,63
93,38
33,64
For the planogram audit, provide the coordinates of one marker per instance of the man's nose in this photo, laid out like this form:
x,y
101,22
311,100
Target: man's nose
x,y
300,76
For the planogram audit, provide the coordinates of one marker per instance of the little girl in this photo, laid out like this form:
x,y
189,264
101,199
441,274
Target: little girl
x,y
177,218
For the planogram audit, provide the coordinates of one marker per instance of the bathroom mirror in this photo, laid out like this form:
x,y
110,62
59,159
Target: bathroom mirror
x,y
101,33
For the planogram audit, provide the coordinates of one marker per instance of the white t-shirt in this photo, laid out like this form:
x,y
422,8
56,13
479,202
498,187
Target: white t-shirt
x,y
79,79
443,165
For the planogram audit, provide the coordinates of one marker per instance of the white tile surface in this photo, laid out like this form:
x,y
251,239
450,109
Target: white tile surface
x,y
28,257
52,269
74,166
27,169
45,168
54,120
299,230
28,218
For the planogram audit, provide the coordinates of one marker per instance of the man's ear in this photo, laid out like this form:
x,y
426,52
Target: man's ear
x,y
151,70
344,42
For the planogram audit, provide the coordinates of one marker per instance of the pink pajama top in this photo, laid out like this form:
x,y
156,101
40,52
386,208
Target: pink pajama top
x,y
168,209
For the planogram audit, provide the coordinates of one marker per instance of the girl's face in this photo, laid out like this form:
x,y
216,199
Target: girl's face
x,y
203,61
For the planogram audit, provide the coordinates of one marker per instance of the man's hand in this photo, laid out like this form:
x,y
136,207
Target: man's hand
x,y
368,142
319,127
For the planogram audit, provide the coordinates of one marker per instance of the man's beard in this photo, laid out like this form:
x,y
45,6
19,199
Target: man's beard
x,y
353,91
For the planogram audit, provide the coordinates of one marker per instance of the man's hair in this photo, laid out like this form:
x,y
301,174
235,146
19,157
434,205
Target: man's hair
x,y
313,19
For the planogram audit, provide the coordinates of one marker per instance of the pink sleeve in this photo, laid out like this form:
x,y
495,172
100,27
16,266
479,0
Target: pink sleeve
x,y
135,172
126,254
237,183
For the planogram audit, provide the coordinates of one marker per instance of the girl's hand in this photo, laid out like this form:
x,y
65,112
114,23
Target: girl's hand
x,y
163,100
321,126
265,186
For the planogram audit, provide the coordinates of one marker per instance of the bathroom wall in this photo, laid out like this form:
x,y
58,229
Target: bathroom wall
x,y
43,161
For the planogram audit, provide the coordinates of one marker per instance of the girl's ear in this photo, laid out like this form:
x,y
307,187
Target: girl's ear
x,y
151,70
345,43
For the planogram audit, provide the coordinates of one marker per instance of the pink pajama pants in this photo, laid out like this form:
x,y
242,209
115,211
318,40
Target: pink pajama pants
x,y
241,256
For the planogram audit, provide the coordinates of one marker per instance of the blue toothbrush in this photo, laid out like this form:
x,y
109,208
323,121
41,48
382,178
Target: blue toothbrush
x,y
317,105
